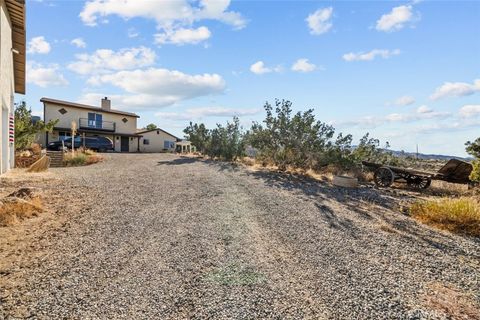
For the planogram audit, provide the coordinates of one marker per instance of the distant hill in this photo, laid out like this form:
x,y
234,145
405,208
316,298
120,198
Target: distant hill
x,y
424,156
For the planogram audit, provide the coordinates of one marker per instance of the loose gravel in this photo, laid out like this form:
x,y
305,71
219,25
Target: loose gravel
x,y
164,237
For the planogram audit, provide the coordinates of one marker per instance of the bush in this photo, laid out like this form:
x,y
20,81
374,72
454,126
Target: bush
x,y
473,148
475,174
75,159
226,143
461,215
287,140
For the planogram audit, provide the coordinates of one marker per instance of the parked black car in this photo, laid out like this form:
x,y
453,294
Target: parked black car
x,y
101,144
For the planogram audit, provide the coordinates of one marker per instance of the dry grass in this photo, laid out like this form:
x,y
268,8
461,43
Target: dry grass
x,y
82,158
94,158
15,210
442,188
461,215
452,302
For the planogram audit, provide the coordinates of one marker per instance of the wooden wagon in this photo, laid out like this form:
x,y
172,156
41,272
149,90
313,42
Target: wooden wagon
x,y
455,171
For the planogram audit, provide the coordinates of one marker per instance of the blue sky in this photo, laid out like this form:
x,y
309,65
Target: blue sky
x,y
407,72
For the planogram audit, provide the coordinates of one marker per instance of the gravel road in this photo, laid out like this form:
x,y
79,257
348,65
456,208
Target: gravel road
x,y
164,237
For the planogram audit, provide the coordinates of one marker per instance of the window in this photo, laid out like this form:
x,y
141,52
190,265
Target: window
x,y
62,111
168,145
95,120
125,120
146,141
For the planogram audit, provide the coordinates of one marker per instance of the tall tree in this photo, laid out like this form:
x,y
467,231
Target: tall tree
x,y
26,129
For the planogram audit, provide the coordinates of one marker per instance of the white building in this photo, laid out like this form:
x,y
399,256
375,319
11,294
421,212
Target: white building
x,y
157,140
12,73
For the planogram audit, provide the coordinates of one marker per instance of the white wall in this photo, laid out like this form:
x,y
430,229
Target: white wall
x,y
7,150
156,141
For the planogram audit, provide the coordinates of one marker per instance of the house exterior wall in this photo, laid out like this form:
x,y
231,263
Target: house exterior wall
x,y
156,140
51,112
7,85
74,114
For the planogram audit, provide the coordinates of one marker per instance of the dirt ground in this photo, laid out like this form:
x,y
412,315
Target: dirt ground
x,y
159,236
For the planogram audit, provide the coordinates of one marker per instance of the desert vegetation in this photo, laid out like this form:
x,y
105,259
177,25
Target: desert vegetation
x,y
286,140
81,157
461,215
473,148
26,129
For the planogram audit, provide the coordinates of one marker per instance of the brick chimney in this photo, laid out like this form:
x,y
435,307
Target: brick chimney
x,y
106,104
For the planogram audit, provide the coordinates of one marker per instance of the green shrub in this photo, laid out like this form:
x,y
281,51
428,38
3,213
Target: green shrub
x,y
77,159
475,175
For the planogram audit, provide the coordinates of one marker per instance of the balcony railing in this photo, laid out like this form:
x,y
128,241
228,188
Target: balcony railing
x,y
96,125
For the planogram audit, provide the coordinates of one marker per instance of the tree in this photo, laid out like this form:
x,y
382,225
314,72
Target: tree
x,y
299,140
151,126
198,135
473,148
26,129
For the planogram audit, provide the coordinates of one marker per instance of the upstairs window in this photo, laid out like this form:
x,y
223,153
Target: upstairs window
x,y
95,120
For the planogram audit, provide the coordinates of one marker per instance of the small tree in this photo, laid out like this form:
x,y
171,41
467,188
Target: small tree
x,y
198,135
26,129
151,126
473,148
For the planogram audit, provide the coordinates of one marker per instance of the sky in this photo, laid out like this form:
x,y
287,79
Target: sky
x,y
407,72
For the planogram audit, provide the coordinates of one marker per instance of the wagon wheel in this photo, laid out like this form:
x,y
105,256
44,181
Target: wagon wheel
x,y
419,182
383,177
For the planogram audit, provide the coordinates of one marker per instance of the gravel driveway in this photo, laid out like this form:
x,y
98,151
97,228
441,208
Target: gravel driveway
x,y
166,237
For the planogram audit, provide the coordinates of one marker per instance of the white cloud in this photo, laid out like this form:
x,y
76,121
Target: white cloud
x,y
368,56
302,65
424,109
79,43
105,60
396,19
153,88
422,113
198,113
260,68
404,101
470,111
45,76
166,13
320,22
38,45
183,36
456,89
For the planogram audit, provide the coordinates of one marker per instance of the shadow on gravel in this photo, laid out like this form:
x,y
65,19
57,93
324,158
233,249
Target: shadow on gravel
x,y
222,166
178,161
358,201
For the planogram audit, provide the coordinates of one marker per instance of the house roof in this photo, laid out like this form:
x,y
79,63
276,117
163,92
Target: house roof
x,y
156,129
84,106
16,12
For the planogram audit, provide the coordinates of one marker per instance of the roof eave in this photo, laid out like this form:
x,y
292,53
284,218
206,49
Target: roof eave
x,y
16,12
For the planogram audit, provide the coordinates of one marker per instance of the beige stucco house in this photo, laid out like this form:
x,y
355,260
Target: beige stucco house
x,y
12,74
157,140
118,126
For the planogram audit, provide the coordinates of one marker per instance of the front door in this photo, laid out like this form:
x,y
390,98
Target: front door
x,y
124,144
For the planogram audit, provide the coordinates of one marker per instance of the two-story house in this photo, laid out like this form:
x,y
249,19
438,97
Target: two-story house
x,y
12,74
118,126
